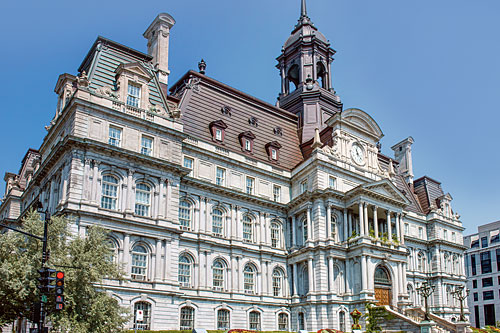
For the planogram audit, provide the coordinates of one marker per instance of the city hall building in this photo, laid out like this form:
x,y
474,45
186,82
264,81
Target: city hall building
x,y
228,212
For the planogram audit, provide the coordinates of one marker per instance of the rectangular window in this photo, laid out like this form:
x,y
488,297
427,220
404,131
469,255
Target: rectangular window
x,y
277,193
473,264
420,232
250,185
445,234
453,237
274,154
476,316
248,145
115,136
188,163
133,95
407,229
223,320
489,315
484,241
220,178
487,282
476,297
332,182
218,134
488,295
485,262
474,283
303,186
146,146
498,259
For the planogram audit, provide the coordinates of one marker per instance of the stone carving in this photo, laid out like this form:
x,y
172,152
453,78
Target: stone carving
x,y
278,131
253,121
83,79
226,110
193,84
108,91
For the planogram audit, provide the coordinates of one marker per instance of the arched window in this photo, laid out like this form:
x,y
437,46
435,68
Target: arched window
x,y
247,229
249,279
293,77
218,274
304,278
109,192
254,320
321,73
185,214
381,276
454,264
342,324
282,321
411,293
142,199
187,318
275,234
223,319
333,226
421,262
139,262
302,321
146,316
304,231
217,224
185,270
278,282
113,250
449,296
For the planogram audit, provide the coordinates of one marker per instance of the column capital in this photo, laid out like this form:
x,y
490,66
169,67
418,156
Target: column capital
x,y
131,172
309,206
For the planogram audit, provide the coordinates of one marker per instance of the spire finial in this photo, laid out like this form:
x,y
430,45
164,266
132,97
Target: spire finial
x,y
303,9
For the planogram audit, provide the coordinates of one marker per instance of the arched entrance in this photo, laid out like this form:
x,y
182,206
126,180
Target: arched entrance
x,y
383,286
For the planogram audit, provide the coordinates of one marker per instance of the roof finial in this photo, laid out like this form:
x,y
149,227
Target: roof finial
x,y
303,9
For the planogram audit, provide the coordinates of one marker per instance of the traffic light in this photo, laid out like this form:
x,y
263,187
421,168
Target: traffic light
x,y
46,279
59,290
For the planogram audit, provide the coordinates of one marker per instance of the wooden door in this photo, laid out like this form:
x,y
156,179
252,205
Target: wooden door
x,y
383,296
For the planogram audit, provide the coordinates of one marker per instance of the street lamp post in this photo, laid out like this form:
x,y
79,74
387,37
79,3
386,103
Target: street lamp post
x,y
459,295
426,290
46,219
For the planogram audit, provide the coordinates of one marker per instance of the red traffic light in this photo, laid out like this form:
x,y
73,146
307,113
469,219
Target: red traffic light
x,y
59,299
60,275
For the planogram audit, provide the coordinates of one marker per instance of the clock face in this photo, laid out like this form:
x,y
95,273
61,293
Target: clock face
x,y
357,154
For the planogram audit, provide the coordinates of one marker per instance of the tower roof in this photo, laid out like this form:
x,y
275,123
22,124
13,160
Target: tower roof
x,y
304,28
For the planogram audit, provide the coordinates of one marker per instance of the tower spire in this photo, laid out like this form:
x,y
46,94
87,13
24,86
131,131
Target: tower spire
x,y
303,9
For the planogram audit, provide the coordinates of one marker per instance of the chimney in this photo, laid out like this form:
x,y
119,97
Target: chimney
x,y
158,35
402,154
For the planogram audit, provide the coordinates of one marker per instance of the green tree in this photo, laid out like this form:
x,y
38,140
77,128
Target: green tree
x,y
374,316
88,308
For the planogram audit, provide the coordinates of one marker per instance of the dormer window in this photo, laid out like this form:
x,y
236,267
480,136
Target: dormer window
x,y
217,129
272,149
246,141
133,95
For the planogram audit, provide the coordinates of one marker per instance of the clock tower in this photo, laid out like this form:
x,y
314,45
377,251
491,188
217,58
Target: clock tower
x,y
306,81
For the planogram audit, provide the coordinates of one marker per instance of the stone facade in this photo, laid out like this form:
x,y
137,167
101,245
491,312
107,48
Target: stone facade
x,y
223,214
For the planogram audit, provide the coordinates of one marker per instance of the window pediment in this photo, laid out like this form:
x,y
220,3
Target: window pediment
x,y
134,68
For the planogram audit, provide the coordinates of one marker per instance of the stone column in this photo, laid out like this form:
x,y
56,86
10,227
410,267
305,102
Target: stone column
x,y
363,274
168,189
234,274
349,222
130,192
126,254
400,278
310,274
166,261
401,229
309,223
398,229
375,220
238,231
262,223
202,213
345,231
328,221
95,182
367,221
361,219
207,270
87,186
293,229
295,279
347,276
389,225
208,228
158,260
64,189
330,273
162,202
405,283
265,278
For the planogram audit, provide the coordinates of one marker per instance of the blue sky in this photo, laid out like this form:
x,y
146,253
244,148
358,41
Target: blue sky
x,y
429,69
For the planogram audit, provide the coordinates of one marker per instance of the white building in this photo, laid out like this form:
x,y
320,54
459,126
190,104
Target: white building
x,y
226,211
483,274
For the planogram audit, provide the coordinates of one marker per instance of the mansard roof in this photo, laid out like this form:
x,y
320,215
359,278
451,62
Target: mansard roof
x,y
204,100
429,192
106,57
